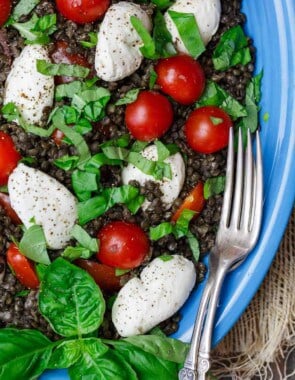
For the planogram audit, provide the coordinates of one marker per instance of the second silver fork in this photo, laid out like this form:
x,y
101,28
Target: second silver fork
x,y
237,235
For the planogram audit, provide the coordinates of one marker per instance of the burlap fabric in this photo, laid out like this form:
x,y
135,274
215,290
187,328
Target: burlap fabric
x,y
266,331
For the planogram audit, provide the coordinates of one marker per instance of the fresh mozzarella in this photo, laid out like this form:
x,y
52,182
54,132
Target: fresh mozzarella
x,y
161,290
40,199
31,91
170,187
207,15
117,50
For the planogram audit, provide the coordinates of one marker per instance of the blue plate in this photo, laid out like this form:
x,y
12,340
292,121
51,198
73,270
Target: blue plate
x,y
272,27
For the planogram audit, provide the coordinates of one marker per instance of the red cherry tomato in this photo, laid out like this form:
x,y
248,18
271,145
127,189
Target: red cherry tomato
x,y
5,203
207,129
82,11
103,275
23,268
195,201
9,157
181,77
57,136
5,8
122,245
61,54
149,117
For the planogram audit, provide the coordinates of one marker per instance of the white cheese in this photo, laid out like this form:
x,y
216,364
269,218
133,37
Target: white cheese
x,y
40,199
161,290
207,15
117,51
26,87
170,187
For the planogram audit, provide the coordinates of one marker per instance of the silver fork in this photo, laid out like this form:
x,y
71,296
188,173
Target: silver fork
x,y
237,235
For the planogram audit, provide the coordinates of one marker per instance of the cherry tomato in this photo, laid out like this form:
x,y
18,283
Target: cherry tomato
x,y
122,245
62,54
57,136
195,201
22,267
5,8
9,157
207,129
103,275
149,116
181,77
82,11
5,203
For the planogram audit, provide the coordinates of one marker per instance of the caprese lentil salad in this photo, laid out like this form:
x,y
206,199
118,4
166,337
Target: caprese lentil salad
x,y
113,130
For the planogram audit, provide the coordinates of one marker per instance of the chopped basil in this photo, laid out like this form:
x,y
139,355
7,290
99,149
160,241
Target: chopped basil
x,y
162,150
33,245
156,169
182,224
28,160
129,97
67,162
162,38
22,293
189,32
99,160
38,29
232,49
148,49
153,79
41,270
52,69
67,90
120,272
160,230
162,4
194,245
214,95
214,186
216,120
166,258
22,8
84,183
74,253
138,146
93,38
122,141
84,239
115,153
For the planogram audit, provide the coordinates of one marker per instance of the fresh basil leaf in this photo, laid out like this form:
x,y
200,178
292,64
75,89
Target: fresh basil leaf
x,y
33,245
161,347
162,38
93,39
115,153
67,90
121,142
22,8
153,79
162,170
148,49
84,239
156,169
165,257
84,183
52,69
74,253
138,146
129,97
214,95
189,32
123,194
71,292
160,230
67,162
41,269
134,204
91,209
99,160
24,354
214,186
28,160
173,148
157,331
22,293
99,362
194,245
120,272
4,189
182,223
66,354
162,150
162,4
232,49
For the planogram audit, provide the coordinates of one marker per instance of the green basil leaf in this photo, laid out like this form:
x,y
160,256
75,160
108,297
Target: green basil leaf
x,y
67,90
4,189
84,239
138,146
189,32
165,257
161,346
162,4
129,97
194,245
123,194
93,39
121,142
91,209
24,354
28,160
148,49
33,245
182,223
160,230
214,186
66,354
232,49
120,272
66,162
162,37
162,150
22,293
99,160
153,79
71,292
99,362
74,253
41,269
134,204
115,153
84,183
173,148
162,170
214,95
22,8
52,69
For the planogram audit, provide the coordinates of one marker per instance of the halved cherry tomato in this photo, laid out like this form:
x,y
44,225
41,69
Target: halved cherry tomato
x,y
9,157
195,201
149,116
5,8
57,136
5,203
103,275
82,11
62,54
181,77
207,129
22,267
122,245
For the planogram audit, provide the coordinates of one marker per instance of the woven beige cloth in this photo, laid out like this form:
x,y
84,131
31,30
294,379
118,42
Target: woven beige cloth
x,y
266,331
